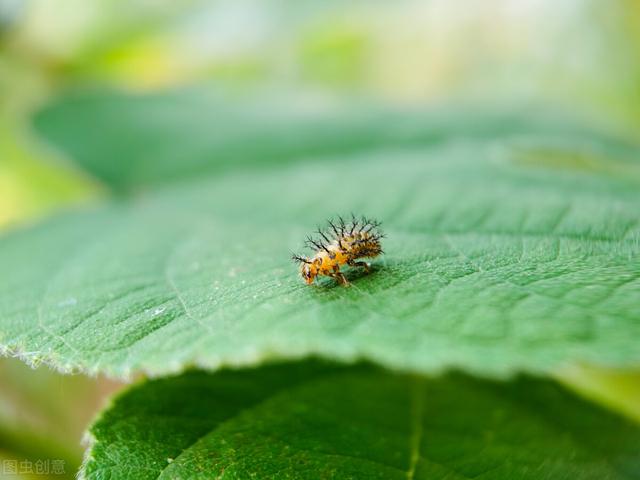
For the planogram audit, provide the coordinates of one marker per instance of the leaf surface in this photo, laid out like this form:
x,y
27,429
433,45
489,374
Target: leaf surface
x,y
131,141
309,421
503,253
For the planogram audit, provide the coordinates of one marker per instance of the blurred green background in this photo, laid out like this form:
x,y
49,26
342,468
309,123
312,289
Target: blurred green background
x,y
579,56
582,56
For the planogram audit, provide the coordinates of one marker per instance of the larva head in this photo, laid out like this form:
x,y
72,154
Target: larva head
x,y
309,272
308,269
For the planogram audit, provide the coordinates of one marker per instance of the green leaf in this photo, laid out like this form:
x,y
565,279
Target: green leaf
x,y
504,253
131,141
320,421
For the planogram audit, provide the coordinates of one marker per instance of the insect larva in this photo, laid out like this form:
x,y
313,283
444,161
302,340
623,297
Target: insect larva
x,y
342,243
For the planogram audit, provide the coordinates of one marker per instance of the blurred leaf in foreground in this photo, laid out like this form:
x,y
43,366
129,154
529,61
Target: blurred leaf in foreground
x,y
313,421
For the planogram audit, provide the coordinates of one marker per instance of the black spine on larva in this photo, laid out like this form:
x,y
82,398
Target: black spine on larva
x,y
354,223
311,243
299,259
343,226
323,235
334,228
318,245
369,226
364,232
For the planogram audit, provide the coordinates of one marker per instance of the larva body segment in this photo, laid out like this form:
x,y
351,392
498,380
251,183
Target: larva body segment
x,y
343,243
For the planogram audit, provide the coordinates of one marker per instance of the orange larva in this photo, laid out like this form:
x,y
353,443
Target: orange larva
x,y
343,244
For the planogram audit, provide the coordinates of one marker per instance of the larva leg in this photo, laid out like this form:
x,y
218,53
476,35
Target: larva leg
x,y
340,278
366,266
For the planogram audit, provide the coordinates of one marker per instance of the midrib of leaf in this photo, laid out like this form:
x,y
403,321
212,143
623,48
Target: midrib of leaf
x,y
418,388
417,405
415,384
